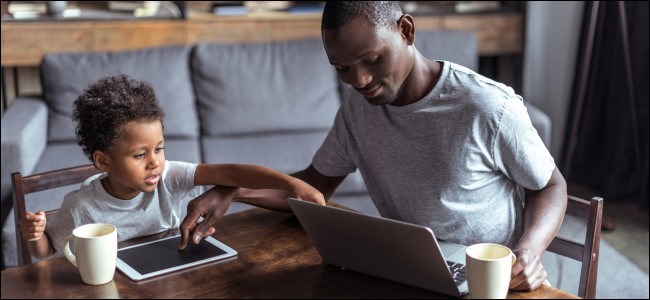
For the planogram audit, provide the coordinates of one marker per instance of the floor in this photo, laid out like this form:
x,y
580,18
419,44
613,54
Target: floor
x,y
630,235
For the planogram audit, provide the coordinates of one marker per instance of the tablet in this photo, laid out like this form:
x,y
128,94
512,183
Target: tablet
x,y
162,256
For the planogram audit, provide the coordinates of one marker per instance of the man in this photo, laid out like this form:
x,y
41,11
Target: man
x,y
437,144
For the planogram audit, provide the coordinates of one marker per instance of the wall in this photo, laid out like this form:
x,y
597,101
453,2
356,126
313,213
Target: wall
x,y
552,38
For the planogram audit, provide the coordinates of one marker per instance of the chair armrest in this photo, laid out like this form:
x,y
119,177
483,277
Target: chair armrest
x,y
542,123
24,138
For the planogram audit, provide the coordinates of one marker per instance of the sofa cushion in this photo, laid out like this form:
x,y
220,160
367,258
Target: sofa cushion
x,y
65,76
186,150
287,153
266,87
60,155
460,47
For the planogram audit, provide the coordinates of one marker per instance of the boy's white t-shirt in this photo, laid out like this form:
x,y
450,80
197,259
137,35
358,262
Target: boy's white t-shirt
x,y
145,214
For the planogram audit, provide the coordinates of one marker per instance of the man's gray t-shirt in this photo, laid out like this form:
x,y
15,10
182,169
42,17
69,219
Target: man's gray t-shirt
x,y
145,214
451,161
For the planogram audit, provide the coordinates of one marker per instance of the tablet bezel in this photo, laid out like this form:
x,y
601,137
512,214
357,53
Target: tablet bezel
x,y
136,276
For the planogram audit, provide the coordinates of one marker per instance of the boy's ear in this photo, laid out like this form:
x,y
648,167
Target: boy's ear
x,y
101,160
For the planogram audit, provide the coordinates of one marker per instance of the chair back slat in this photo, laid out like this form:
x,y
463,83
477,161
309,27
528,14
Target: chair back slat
x,y
578,207
58,178
588,252
22,186
589,273
568,248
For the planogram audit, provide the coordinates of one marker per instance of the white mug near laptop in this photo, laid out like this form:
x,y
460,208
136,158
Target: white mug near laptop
x,y
488,270
94,252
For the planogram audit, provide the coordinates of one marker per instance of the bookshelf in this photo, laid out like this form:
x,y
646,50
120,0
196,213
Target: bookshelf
x,y
500,37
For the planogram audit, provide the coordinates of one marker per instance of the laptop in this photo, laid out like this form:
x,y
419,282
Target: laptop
x,y
390,249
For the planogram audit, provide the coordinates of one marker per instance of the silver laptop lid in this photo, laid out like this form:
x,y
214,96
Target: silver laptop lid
x,y
385,248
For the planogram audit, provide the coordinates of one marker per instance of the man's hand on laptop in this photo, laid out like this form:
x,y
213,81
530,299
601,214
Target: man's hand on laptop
x,y
306,192
527,272
210,205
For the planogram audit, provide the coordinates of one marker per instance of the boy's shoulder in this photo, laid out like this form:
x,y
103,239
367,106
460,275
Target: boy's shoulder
x,y
86,191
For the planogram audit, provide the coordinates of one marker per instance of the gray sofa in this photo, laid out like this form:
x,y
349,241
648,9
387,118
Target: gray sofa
x,y
270,104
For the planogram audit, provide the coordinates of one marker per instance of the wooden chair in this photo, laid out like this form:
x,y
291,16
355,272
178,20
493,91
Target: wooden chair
x,y
22,186
587,253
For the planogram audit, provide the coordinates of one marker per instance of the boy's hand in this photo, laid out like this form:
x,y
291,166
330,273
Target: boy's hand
x,y
32,226
307,192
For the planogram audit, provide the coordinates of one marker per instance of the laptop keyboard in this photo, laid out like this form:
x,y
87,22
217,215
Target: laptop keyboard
x,y
458,272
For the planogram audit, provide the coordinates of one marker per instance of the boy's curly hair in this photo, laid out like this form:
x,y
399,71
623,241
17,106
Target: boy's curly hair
x,y
107,105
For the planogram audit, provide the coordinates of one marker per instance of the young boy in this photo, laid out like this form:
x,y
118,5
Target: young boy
x,y
120,129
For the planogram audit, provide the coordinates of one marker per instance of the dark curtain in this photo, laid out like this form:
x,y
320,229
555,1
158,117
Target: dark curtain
x,y
606,142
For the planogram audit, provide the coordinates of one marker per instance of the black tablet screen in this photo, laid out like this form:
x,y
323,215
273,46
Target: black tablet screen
x,y
164,254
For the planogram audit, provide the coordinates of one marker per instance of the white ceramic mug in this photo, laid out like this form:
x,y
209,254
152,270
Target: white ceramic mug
x,y
94,252
488,270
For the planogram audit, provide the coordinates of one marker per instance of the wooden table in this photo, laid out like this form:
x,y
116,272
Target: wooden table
x,y
276,260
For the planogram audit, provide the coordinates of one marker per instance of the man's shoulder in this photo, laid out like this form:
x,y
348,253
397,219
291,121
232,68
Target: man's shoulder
x,y
480,84
478,91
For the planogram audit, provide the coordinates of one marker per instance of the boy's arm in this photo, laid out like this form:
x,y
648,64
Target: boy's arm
x,y
255,177
41,248
33,231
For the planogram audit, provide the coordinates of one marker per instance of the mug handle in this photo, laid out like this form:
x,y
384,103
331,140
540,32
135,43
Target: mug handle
x,y
66,250
514,257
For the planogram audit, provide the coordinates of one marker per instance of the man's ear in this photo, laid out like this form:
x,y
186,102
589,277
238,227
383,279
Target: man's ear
x,y
406,27
101,160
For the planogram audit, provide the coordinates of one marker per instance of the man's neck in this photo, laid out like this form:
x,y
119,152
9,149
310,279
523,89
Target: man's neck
x,y
420,81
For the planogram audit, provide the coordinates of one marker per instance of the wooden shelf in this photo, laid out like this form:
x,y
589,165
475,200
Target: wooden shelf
x,y
25,43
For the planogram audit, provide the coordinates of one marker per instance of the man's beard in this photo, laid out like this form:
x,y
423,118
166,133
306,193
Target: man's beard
x,y
387,99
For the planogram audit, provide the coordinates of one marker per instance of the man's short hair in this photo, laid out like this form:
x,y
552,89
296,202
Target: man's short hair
x,y
337,14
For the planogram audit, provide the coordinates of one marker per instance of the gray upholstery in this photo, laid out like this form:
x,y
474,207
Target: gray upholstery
x,y
65,76
24,128
268,87
285,152
460,47
24,138
270,104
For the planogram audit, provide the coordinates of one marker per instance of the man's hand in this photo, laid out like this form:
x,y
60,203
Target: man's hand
x,y
527,272
306,192
210,205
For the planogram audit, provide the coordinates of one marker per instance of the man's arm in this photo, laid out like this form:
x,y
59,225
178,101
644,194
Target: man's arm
x,y
212,204
543,214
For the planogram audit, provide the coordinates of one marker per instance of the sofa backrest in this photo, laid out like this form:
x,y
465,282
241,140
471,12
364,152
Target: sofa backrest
x,y
460,47
65,76
258,88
